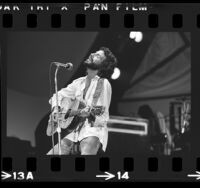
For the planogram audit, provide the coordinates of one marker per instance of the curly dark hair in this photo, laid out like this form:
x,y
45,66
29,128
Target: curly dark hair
x,y
108,65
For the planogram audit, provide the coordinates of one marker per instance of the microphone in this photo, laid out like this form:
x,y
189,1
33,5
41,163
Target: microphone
x,y
66,65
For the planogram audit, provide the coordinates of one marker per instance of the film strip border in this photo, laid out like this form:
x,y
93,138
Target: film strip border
x,y
57,21
104,164
99,21
183,19
162,168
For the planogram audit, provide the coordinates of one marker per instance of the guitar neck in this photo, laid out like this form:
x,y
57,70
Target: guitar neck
x,y
74,113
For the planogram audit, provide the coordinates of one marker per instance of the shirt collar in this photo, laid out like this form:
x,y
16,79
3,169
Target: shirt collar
x,y
95,78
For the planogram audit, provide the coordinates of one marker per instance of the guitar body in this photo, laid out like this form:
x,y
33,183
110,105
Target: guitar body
x,y
71,123
77,121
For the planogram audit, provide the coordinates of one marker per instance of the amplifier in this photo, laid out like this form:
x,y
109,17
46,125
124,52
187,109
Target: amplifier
x,y
129,125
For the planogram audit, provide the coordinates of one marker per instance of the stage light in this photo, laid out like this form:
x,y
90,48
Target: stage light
x,y
139,37
116,74
132,34
136,35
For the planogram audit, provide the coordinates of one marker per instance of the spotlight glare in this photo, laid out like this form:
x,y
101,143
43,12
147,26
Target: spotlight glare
x,y
136,35
139,37
132,34
116,74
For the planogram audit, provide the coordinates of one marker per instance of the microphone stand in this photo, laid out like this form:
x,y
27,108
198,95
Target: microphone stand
x,y
57,115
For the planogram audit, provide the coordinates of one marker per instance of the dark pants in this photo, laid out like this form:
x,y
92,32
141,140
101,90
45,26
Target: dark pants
x,y
88,146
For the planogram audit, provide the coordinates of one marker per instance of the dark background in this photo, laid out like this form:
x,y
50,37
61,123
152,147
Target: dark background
x,y
29,55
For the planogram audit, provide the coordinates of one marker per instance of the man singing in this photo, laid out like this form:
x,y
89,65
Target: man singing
x,y
86,102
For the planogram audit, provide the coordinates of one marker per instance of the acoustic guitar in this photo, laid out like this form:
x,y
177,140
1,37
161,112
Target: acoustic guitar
x,y
71,119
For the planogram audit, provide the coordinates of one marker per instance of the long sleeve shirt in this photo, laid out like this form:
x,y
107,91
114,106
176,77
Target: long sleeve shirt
x,y
70,97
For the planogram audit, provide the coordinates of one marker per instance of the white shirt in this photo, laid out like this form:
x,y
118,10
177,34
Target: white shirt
x,y
70,96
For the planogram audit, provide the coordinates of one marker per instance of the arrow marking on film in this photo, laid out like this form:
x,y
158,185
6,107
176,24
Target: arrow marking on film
x,y
197,175
5,175
107,175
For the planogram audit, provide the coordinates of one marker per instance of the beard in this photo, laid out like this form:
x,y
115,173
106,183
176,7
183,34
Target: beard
x,y
89,63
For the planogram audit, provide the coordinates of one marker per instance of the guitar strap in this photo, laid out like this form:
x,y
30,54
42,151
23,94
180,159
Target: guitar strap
x,y
98,91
